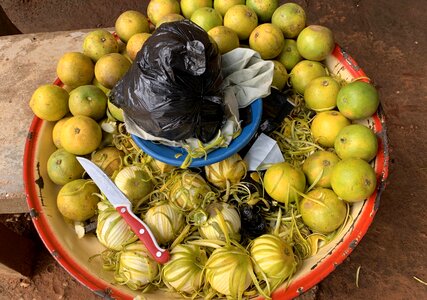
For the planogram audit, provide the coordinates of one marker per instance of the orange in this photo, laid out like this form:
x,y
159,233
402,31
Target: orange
x,y
318,167
88,100
207,18
353,179
280,75
263,8
304,72
56,132
75,69
321,93
241,19
225,38
98,43
110,68
315,42
49,102
80,135
358,100
134,182
109,159
358,141
267,40
289,56
290,18
223,5
188,7
63,167
170,18
77,201
129,23
282,181
135,44
157,9
326,126
322,211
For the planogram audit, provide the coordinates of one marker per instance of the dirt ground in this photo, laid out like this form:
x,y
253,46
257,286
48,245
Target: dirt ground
x,y
388,39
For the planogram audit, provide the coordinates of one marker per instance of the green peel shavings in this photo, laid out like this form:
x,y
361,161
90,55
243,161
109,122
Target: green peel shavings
x,y
210,222
201,150
294,135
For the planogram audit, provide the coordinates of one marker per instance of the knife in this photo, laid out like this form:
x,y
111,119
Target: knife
x,y
124,207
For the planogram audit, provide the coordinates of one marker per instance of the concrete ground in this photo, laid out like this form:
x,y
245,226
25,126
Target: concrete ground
x,y
388,39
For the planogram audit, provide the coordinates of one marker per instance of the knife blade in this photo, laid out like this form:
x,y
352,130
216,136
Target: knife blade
x,y
124,207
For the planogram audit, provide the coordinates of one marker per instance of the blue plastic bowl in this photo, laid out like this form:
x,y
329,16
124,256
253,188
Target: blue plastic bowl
x,y
167,154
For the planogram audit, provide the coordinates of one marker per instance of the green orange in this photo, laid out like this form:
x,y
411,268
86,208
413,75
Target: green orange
x,y
291,18
358,100
110,68
188,7
353,179
322,210
207,18
135,44
129,23
115,111
56,132
170,18
289,56
77,200
280,75
263,8
63,167
315,42
98,43
88,100
357,141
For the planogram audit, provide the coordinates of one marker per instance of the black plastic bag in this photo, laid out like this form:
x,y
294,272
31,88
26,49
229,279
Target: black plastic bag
x,y
172,89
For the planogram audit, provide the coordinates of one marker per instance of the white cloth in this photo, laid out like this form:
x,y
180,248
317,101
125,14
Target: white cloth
x,y
263,152
247,77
